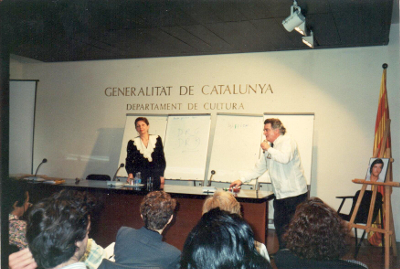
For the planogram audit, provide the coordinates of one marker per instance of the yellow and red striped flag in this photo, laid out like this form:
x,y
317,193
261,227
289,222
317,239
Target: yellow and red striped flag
x,y
382,149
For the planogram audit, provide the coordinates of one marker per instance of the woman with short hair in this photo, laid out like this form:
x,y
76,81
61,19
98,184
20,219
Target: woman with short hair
x,y
145,154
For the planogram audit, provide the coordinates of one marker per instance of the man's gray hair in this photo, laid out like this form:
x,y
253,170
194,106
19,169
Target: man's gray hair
x,y
276,124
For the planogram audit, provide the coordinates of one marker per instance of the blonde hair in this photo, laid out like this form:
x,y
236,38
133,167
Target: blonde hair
x,y
224,200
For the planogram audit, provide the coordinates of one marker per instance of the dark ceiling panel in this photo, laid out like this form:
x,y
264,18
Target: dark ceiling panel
x,y
214,42
277,36
186,37
324,23
200,12
255,10
72,30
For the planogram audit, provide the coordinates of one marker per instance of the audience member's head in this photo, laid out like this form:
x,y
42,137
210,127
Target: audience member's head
x,y
157,209
58,228
17,200
224,200
221,240
317,232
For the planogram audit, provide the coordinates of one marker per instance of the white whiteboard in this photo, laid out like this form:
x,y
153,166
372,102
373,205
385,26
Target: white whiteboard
x,y
300,127
186,145
157,125
22,119
236,145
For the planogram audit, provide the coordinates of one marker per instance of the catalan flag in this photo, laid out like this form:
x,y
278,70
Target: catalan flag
x,y
382,146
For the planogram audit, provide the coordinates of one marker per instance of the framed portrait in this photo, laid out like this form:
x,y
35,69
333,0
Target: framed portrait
x,y
377,169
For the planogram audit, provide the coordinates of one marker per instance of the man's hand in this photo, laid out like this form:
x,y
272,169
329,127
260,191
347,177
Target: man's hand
x,y
265,146
236,184
22,259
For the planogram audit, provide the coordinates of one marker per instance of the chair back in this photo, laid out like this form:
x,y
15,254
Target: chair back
x,y
106,264
98,177
362,214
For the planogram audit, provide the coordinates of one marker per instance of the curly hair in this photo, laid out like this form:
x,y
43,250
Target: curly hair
x,y
157,208
221,240
317,232
224,200
55,225
276,124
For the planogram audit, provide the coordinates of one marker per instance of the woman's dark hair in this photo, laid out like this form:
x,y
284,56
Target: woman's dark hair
x,y
145,120
317,232
221,240
55,225
157,208
377,161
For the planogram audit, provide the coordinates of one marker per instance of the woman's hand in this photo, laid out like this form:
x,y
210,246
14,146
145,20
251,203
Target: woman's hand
x,y
130,176
22,259
162,180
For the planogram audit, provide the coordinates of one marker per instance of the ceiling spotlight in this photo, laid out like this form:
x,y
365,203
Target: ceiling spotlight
x,y
295,19
302,29
309,40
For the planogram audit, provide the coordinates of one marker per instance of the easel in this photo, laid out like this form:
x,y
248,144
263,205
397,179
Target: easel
x,y
388,229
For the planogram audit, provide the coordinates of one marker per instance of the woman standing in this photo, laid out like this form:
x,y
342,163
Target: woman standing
x,y
145,154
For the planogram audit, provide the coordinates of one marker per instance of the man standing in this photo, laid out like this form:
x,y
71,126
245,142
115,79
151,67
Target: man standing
x,y
282,161
58,230
144,247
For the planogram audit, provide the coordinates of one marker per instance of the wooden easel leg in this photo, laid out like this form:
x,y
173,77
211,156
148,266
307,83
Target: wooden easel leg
x,y
393,236
361,195
371,209
387,227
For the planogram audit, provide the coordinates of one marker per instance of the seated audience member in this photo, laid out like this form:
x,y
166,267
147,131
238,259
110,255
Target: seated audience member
x,y
58,230
144,247
226,201
92,257
18,204
316,238
221,240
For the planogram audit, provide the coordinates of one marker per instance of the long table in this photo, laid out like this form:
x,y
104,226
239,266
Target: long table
x,y
120,207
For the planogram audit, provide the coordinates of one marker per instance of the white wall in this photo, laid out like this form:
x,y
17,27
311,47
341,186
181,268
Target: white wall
x,y
79,126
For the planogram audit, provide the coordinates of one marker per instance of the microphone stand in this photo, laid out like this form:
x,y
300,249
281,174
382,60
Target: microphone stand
x,y
257,186
116,172
37,169
212,174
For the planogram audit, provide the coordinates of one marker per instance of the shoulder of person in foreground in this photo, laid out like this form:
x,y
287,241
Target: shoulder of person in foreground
x,y
285,259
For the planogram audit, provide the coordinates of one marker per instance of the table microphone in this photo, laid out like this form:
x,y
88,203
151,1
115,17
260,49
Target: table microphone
x,y
264,141
212,174
37,169
116,172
